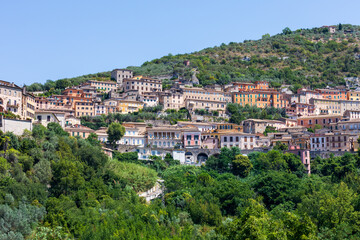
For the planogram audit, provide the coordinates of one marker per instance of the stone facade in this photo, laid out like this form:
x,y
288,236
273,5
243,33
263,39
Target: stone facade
x,y
119,75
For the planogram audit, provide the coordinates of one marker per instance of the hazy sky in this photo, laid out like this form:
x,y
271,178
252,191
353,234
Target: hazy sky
x,y
42,40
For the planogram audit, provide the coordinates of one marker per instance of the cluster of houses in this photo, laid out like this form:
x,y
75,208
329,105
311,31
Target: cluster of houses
x,y
333,114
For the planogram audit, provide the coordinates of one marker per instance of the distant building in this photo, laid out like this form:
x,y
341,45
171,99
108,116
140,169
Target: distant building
x,y
79,130
332,29
45,117
142,84
207,99
11,98
133,136
259,125
164,137
172,99
120,74
240,140
128,106
28,105
150,99
103,86
332,94
322,120
260,98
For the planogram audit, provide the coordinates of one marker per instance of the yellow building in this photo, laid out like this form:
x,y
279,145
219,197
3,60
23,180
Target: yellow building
x,y
128,106
29,105
353,95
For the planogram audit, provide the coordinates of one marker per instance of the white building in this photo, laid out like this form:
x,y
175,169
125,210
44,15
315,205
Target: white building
x,y
45,117
240,140
318,142
164,137
134,137
102,134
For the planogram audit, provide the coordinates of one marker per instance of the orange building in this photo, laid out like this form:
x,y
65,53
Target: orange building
x,y
322,120
333,94
261,98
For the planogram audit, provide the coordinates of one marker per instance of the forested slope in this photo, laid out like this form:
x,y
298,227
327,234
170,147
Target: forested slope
x,y
53,186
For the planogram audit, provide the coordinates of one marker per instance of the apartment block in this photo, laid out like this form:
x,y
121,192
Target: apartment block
x,y
142,84
11,98
103,86
208,99
260,98
322,120
128,106
165,137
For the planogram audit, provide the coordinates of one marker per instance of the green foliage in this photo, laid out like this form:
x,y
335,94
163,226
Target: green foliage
x,y
269,129
223,162
17,222
74,191
241,166
279,146
137,177
115,132
240,113
277,161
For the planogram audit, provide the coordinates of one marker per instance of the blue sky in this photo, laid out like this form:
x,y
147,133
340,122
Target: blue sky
x,y
42,40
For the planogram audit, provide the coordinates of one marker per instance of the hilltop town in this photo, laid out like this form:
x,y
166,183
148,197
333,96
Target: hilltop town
x,y
308,122
256,139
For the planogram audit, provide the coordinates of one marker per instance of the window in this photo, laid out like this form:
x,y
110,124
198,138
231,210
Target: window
x,y
48,118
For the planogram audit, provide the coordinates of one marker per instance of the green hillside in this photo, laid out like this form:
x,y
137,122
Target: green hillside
x,y
306,56
312,57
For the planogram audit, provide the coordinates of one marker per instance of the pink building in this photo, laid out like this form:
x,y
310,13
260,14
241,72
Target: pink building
x,y
192,138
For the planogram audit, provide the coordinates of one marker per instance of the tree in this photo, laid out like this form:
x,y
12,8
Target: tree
x,y
241,166
16,223
38,131
42,171
280,146
57,129
115,132
222,163
295,87
265,36
286,31
277,187
269,129
93,139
